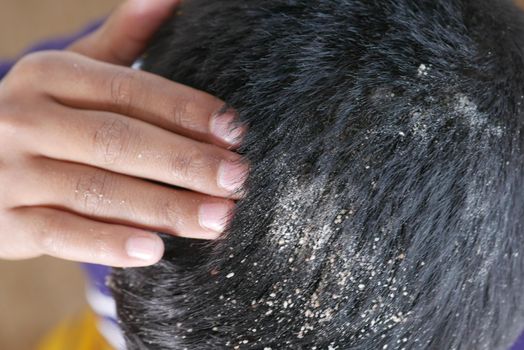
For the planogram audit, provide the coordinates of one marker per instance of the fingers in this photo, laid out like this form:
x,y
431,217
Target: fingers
x,y
68,236
108,140
133,148
120,40
119,199
84,83
84,137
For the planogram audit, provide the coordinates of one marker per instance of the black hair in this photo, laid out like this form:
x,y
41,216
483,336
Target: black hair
x,y
384,206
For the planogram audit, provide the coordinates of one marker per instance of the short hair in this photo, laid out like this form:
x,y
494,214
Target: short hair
x,y
384,206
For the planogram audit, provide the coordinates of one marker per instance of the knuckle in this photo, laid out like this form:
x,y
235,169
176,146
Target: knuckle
x,y
183,164
10,181
169,213
14,120
26,65
111,139
99,247
121,87
93,190
10,123
49,237
31,72
36,63
181,114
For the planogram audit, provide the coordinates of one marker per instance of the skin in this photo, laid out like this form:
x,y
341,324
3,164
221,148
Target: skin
x,y
90,149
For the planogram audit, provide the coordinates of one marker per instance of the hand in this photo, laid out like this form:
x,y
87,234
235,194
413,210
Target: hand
x,y
87,146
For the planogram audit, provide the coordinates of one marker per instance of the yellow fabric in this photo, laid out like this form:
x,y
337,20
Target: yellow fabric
x,y
77,334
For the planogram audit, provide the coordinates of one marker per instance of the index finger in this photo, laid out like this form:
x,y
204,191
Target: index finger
x,y
81,82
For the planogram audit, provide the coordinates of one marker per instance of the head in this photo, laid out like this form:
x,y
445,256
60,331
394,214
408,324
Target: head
x,y
384,205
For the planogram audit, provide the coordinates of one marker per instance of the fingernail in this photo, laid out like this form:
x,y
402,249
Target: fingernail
x,y
231,175
214,216
146,248
144,5
222,126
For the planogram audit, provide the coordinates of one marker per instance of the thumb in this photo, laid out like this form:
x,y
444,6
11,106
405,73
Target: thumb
x,y
125,34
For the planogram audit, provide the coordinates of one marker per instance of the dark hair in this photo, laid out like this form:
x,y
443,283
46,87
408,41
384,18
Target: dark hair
x,y
384,206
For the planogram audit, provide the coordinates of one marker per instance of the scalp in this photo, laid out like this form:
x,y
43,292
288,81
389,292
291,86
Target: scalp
x,y
382,208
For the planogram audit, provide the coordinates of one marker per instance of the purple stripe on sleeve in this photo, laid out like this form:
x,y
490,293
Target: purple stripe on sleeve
x,y
97,275
519,345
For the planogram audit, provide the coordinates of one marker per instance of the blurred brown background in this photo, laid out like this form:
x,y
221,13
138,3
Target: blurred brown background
x,y
23,22
35,295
